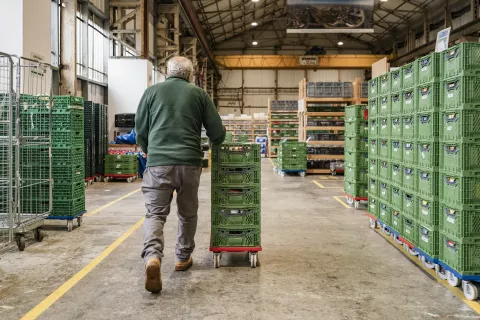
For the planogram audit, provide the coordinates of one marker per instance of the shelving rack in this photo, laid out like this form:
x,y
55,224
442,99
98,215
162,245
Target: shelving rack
x,y
241,127
276,117
333,116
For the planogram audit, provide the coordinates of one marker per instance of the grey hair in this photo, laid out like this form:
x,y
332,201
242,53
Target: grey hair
x,y
180,67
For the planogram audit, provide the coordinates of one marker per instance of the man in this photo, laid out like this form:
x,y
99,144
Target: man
x,y
168,123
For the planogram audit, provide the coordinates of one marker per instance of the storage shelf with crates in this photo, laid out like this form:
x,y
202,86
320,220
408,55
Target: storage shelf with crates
x,y
242,126
283,114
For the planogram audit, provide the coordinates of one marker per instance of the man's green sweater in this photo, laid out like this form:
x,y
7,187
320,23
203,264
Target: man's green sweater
x,y
169,123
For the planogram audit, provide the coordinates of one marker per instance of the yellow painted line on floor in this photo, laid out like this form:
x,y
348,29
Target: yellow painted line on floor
x,y
91,213
318,184
341,201
70,283
456,291
271,161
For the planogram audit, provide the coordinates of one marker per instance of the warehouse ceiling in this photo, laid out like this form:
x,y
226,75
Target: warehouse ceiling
x,y
228,25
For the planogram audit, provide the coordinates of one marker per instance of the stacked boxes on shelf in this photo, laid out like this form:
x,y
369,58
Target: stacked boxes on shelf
x,y
68,156
460,160
235,195
356,152
292,157
282,123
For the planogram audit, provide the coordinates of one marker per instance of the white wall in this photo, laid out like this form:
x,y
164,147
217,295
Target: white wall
x,y
127,81
11,25
37,36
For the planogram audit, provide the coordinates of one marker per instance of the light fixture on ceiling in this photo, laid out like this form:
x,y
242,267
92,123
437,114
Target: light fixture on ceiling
x,y
383,0
340,43
254,43
255,0
254,24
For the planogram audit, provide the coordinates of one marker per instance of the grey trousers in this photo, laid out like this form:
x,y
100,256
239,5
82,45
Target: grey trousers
x,y
158,186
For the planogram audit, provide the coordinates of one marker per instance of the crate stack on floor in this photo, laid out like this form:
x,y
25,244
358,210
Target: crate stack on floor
x,y
460,164
282,124
356,154
90,140
68,157
121,165
292,158
101,134
236,173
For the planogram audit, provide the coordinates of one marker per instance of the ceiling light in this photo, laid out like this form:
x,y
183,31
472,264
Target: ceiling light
x,y
383,0
255,0
340,43
254,43
254,24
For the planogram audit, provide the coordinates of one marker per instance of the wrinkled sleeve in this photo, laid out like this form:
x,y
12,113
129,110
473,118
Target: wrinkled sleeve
x,y
142,121
212,122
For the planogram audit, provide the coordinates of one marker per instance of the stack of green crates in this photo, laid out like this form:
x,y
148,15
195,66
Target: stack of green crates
x,y
356,151
292,156
121,164
459,180
235,195
68,166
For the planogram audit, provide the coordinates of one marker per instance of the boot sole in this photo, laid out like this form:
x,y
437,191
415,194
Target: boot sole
x,y
153,281
183,268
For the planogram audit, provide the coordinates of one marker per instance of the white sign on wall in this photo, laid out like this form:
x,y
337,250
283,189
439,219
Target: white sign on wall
x,y
308,61
443,37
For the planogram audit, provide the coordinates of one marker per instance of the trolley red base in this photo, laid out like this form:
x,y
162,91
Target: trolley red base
x,y
355,201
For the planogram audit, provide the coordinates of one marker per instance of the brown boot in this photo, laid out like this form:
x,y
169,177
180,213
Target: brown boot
x,y
184,266
153,276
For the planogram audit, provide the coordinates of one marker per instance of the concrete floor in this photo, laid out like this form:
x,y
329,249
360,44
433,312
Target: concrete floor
x,y
320,261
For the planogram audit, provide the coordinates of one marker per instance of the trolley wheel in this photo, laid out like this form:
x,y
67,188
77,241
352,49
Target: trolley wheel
x,y
21,242
385,231
86,185
356,204
130,180
253,259
38,234
98,178
427,264
70,225
470,291
334,173
452,279
106,179
412,252
397,240
90,182
282,174
373,223
216,260
440,272
302,174
79,221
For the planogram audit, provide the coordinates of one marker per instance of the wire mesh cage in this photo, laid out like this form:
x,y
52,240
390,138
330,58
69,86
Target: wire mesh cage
x,y
25,152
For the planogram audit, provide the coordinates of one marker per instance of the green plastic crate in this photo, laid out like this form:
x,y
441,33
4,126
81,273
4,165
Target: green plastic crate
x,y
373,88
383,149
356,113
396,127
427,182
409,75
459,158
460,223
397,221
396,103
409,179
233,176
373,128
396,198
66,101
458,191
384,170
384,83
428,240
68,156
384,105
356,189
235,237
372,107
357,159
356,129
121,158
459,125
67,208
428,154
460,92
427,211
356,144
236,153
396,80
373,187
373,206
409,149
121,166
355,174
409,124
428,97
384,191
373,167
396,150
68,138
385,213
69,190
383,127
408,101
427,125
462,256
428,67
409,204
396,174
410,230
225,196
64,174
460,58
232,216
373,147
